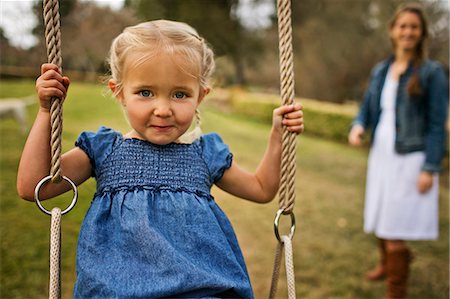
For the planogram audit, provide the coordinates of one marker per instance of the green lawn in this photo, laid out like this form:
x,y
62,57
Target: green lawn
x,y
331,252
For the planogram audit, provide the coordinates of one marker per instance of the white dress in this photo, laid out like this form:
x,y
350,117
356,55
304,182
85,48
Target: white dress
x,y
394,209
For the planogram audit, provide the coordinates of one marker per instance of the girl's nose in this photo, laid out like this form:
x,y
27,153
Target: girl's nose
x,y
163,109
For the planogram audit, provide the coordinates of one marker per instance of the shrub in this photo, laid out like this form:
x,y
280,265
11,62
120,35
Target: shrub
x,y
327,120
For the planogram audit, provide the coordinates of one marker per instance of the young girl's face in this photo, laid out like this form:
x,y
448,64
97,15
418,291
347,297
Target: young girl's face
x,y
407,31
159,97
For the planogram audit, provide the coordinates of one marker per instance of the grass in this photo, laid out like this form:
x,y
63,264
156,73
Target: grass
x,y
331,252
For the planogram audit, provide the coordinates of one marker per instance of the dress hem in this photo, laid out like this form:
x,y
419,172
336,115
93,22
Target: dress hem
x,y
400,236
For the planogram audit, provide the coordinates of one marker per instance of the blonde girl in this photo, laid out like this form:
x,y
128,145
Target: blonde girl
x,y
153,229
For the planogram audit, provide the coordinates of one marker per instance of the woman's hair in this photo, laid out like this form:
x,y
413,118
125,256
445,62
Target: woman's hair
x,y
150,38
421,49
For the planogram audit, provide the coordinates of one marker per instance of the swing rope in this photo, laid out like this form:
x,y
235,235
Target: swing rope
x,y
288,164
288,154
53,43
55,255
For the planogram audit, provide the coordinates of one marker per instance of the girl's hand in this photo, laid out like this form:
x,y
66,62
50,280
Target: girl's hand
x,y
425,181
51,84
290,116
355,135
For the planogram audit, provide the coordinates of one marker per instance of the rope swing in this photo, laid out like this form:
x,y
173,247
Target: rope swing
x,y
288,158
53,42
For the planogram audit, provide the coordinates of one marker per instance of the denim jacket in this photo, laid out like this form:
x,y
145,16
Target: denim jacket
x,y
420,121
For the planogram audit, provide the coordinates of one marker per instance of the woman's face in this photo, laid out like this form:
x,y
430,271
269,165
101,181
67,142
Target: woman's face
x,y
406,33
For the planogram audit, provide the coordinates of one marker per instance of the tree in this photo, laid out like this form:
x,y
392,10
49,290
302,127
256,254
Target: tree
x,y
3,39
438,14
91,30
336,44
87,31
215,20
66,7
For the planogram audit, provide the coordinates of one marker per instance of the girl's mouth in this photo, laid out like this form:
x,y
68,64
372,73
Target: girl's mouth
x,y
161,128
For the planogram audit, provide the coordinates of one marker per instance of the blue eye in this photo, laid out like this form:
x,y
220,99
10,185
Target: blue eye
x,y
179,95
145,93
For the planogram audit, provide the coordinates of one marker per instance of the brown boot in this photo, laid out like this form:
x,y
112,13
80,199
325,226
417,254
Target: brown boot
x,y
397,270
379,272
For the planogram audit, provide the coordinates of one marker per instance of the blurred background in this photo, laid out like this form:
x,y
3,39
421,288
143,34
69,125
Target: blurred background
x,y
336,43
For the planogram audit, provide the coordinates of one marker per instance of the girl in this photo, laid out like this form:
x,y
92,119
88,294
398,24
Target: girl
x,y
406,107
153,229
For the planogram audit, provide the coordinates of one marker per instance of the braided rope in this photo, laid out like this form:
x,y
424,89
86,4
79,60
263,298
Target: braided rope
x,y
289,264
288,154
285,243
276,270
288,165
53,42
55,255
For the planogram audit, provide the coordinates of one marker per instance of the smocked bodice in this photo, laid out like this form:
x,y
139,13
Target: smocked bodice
x,y
136,163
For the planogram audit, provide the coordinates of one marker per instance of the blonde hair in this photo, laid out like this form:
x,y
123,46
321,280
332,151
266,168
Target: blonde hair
x,y
421,53
171,37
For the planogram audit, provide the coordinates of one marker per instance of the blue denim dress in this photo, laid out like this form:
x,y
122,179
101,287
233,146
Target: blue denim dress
x,y
153,230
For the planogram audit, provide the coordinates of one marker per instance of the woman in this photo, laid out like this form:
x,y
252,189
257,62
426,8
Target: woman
x,y
405,106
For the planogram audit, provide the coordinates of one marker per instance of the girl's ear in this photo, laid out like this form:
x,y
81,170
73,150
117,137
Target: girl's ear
x,y
203,93
113,87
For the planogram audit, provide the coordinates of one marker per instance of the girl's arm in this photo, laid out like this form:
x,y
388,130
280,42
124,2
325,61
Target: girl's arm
x,y
262,185
35,161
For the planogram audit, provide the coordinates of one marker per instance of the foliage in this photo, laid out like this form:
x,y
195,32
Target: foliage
x,y
216,21
335,47
91,30
331,252
218,25
87,31
330,121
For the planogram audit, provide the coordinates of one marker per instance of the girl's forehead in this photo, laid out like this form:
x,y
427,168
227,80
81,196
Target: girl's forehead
x,y
141,60
138,57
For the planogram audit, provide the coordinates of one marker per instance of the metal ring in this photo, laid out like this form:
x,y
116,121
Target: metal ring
x,y
45,180
277,220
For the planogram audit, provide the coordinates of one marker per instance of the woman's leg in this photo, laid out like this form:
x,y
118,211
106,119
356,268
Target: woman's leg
x,y
397,268
380,270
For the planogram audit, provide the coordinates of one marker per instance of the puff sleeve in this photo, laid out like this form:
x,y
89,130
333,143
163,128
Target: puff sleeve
x,y
97,145
216,155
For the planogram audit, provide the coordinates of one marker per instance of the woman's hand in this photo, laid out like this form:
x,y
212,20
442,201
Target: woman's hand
x,y
425,181
290,116
355,135
51,84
